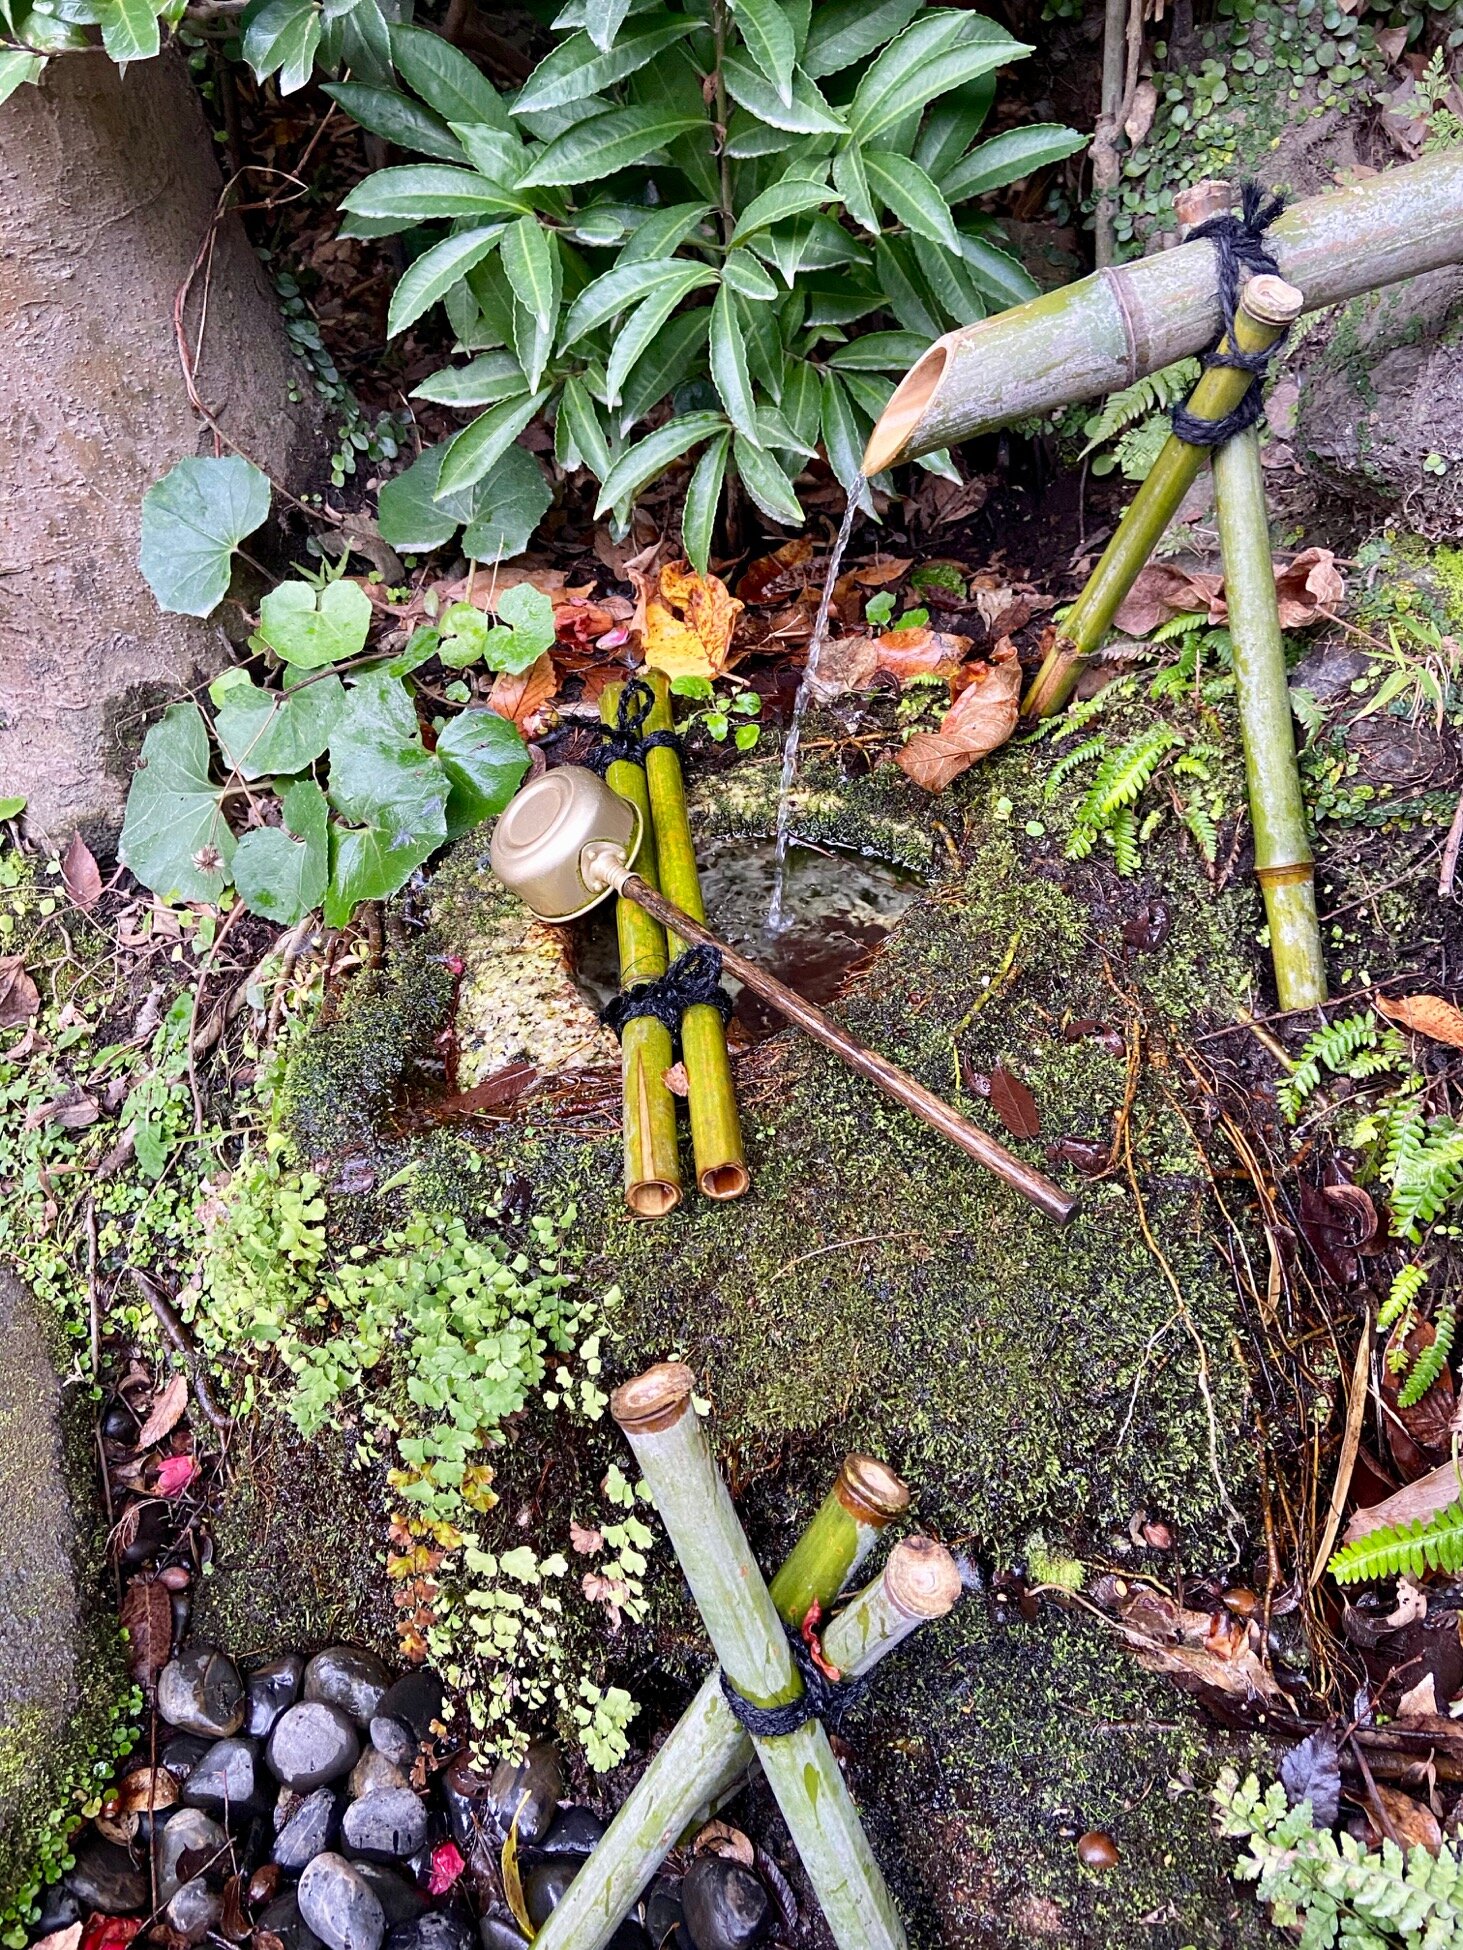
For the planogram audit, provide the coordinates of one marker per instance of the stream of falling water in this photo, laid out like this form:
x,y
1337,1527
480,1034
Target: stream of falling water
x,y
775,920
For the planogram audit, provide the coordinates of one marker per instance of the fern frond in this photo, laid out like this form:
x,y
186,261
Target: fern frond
x,y
1124,834
1205,832
1069,762
1426,1544
1405,1288
1186,621
1427,1174
1151,823
1132,769
1151,394
1139,447
1336,1045
1431,1360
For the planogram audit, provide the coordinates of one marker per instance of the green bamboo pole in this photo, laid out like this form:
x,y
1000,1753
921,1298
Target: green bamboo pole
x,y
1107,330
652,1154
716,1130
655,1413
1277,807
707,1752
1267,306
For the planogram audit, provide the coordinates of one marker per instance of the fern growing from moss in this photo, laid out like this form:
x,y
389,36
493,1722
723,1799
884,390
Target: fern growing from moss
x,y
1353,1046
1424,1167
1431,1360
1426,1544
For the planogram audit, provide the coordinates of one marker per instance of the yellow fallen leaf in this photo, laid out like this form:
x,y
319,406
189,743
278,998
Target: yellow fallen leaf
x,y
689,620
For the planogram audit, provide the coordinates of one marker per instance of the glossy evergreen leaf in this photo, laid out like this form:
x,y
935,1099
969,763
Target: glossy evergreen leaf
x,y
175,838
531,264
605,143
808,113
662,231
929,58
671,359
653,455
577,67
281,871
950,127
879,352
581,423
491,377
788,198
311,627
903,187
766,483
603,20
948,281
768,36
446,79
431,276
381,774
509,504
17,68
842,437
192,521
904,293
485,758
385,112
423,192
626,285
996,274
845,31
729,372
130,29
802,400
282,38
703,498
263,734
470,454
746,277
853,186
370,863
1006,158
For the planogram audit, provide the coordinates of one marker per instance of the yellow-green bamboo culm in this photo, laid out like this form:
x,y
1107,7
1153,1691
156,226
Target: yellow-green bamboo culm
x,y
652,1154
1267,306
1277,807
716,1129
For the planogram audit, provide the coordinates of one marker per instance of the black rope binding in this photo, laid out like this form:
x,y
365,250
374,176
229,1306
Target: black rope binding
x,y
1239,241
623,739
691,978
822,1698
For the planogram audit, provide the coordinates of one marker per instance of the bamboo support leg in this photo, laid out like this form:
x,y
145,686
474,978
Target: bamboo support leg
x,y
716,1131
652,1153
674,1454
1277,807
707,1752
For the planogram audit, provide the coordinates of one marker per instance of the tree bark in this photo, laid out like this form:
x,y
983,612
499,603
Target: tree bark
x,y
108,186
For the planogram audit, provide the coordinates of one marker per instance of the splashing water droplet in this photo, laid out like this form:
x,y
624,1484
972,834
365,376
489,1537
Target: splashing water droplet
x,y
775,918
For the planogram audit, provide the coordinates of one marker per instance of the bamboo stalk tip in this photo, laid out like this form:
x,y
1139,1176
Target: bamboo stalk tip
x,y
1271,301
922,1578
725,1181
654,1400
905,410
1200,201
870,1491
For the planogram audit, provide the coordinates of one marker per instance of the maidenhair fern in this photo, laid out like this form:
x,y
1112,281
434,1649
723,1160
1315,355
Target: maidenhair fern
x,y
1431,1360
1426,1544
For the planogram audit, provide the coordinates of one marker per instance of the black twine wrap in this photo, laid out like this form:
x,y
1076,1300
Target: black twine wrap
x,y
691,978
1239,242
822,1698
623,739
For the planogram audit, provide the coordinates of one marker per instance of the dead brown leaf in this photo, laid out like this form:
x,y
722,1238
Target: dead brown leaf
x,y
1422,1433
920,653
1419,1701
676,1080
1141,114
144,1789
585,1539
80,874
147,1619
520,697
1014,1104
981,719
1414,1825
1307,586
1160,591
720,1838
167,1412
1427,1015
778,577
689,620
68,1938
19,997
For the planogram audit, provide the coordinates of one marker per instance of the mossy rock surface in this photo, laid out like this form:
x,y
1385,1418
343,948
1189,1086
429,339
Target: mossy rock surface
x,y
61,1673
879,1291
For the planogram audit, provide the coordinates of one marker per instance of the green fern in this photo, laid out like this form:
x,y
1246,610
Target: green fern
x,y
1077,717
1423,1164
1121,779
1431,1360
1203,828
1069,761
1186,621
1151,823
1337,1046
1405,1288
1154,393
1426,1544
1124,836
1138,448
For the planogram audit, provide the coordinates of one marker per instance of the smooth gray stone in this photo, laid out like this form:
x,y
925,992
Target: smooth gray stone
x,y
312,1743
201,1692
498,1931
528,1789
726,1906
348,1677
404,1718
665,1921
193,1833
105,1877
373,1770
388,1822
340,1906
574,1831
269,1691
308,1832
544,1886
401,1901
438,1929
283,1919
182,1753
465,1794
225,1778
193,1909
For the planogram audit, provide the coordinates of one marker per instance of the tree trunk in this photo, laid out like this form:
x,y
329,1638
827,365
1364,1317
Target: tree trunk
x,y
108,185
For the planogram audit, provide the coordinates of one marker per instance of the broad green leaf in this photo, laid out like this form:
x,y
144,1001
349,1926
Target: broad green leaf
x,y
192,521
526,629
670,360
953,124
788,198
130,30
939,462
653,455
748,138
493,295
766,483
314,627
765,353
380,772
638,332
903,293
396,117
484,758
371,863
432,275
903,187
662,231
174,835
283,36
996,274
624,286
17,67
703,498
802,400
747,278
1006,158
810,242
264,733
470,454
603,19
365,42
842,441
483,382
870,391
778,435
597,148
446,79
509,504
420,192
853,187
581,423
281,877
948,281
408,513
938,52
531,263
768,35
845,31
806,114
838,298
497,154
879,352
729,367
577,67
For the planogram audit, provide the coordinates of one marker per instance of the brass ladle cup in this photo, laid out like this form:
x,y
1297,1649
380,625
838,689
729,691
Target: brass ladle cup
x,y
566,841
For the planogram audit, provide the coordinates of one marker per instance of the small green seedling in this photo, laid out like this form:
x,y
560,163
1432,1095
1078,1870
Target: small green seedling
x,y
721,713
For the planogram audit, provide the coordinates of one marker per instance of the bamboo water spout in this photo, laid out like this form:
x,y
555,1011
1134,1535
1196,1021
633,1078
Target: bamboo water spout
x,y
1108,330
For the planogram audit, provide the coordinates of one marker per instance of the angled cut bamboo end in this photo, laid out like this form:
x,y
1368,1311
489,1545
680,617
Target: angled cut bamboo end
x,y
905,410
654,1400
870,1491
922,1578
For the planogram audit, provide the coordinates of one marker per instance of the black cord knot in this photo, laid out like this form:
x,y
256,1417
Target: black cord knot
x,y
1239,243
692,977
626,738
822,1698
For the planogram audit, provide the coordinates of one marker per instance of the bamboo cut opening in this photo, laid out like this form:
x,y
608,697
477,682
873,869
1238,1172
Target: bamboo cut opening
x,y
922,1578
905,410
654,1400
652,1198
724,1181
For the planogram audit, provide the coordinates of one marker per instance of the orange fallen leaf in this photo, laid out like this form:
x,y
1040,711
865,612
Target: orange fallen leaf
x,y
776,577
981,718
167,1412
1414,1825
920,653
1428,1015
518,696
689,621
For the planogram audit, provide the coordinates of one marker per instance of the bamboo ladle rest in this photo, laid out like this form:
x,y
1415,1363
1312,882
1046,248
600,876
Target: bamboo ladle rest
x,y
565,842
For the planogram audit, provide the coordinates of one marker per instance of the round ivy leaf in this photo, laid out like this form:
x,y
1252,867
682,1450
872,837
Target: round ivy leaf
x,y
313,627
192,521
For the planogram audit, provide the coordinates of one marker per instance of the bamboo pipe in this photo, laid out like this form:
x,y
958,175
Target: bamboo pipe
x,y
1268,306
1277,805
716,1129
707,1752
656,1415
604,864
1112,328
652,1153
